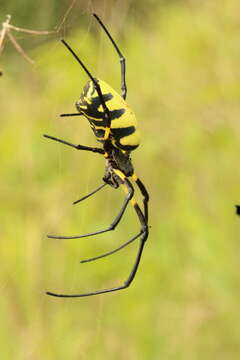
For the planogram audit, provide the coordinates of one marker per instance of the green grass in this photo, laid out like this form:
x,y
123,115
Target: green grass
x,y
184,85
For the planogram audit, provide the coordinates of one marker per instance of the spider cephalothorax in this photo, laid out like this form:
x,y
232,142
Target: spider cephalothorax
x,y
118,160
115,126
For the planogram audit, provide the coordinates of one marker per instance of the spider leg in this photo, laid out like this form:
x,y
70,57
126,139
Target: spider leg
x,y
237,209
126,284
122,59
90,194
144,231
98,89
72,114
112,251
78,147
129,190
145,194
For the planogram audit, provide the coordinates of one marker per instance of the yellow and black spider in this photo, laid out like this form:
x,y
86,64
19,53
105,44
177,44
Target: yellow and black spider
x,y
114,125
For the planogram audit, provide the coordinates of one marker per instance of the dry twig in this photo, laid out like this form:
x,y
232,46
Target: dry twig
x,y
6,32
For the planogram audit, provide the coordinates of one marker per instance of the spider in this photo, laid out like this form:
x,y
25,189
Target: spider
x,y
114,125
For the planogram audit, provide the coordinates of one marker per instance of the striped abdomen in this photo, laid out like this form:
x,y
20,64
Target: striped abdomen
x,y
124,133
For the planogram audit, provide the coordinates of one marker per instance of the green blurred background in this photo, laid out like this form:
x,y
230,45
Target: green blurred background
x,y
183,78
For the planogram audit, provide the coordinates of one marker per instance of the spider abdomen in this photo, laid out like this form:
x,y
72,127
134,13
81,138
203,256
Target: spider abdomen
x,y
123,130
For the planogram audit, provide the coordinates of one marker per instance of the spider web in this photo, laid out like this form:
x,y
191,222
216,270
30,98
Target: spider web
x,y
63,30
77,279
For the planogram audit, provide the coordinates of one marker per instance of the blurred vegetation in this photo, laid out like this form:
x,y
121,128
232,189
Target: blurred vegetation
x,y
184,85
47,14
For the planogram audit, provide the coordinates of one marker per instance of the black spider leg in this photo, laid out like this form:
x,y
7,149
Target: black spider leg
x,y
78,147
112,225
72,114
98,89
144,233
122,58
112,251
90,194
145,195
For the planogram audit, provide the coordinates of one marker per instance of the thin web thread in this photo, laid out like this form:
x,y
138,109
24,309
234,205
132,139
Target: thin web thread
x,y
76,281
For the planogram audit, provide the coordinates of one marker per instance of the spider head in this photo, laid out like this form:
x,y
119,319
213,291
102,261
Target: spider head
x,y
122,161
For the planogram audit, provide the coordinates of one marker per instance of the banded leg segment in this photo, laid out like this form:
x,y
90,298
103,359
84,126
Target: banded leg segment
x,y
144,193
